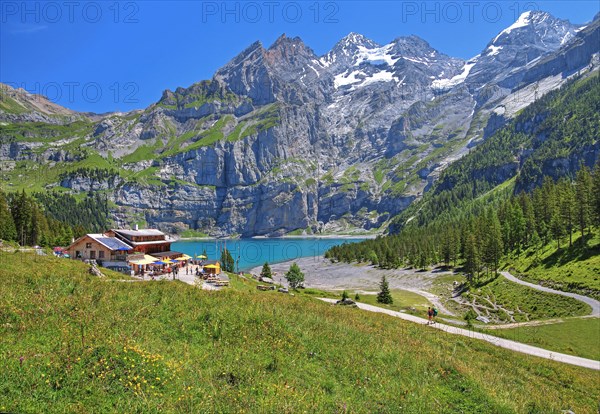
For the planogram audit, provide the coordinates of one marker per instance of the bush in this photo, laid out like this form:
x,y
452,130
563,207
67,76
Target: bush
x,y
470,316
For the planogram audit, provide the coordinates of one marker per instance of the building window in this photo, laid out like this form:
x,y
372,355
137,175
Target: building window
x,y
101,254
77,254
92,254
88,245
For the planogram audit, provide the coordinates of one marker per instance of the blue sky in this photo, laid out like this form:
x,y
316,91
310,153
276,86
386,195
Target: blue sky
x,y
117,56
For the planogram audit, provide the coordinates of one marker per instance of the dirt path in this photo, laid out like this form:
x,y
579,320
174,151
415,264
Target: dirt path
x,y
434,299
592,302
533,323
503,343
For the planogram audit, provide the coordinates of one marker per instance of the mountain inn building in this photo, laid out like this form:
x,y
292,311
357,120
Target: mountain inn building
x,y
117,248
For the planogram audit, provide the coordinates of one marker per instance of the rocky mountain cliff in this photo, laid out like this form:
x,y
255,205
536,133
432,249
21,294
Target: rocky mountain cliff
x,y
283,140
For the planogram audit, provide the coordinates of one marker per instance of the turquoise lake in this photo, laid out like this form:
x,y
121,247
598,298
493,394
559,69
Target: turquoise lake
x,y
249,253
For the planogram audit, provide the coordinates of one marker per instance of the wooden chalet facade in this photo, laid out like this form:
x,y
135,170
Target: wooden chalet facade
x,y
99,247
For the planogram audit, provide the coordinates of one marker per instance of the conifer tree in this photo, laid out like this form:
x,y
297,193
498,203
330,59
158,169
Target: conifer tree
x,y
535,241
8,230
472,258
422,258
566,198
63,234
595,199
38,229
583,187
539,211
446,247
384,295
529,215
21,212
78,231
266,270
547,209
556,227
227,261
389,258
454,245
464,235
492,247
518,225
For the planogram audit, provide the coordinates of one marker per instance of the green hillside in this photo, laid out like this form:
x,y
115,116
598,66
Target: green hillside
x,y
550,138
575,268
75,343
577,336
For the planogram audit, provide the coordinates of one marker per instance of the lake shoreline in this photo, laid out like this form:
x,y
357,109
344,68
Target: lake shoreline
x,y
320,273
249,253
308,236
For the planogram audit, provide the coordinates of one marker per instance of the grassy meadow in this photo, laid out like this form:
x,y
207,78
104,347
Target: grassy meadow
x,y
580,337
74,343
403,301
575,268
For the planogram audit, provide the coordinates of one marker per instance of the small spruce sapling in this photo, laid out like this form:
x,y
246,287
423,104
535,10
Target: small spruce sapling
x,y
384,296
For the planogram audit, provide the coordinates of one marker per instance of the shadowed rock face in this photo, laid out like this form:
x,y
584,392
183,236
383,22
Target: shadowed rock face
x,y
281,139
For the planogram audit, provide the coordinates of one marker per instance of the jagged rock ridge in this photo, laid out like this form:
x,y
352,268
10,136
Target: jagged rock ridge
x,y
281,139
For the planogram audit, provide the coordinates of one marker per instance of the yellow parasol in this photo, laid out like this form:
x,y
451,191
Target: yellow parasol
x,y
144,261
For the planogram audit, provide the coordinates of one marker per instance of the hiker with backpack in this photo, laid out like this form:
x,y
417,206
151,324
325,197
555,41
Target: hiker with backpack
x,y
435,313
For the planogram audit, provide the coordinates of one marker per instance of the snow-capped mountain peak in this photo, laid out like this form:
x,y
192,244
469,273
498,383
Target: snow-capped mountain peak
x,y
345,51
538,27
376,56
523,20
533,35
354,38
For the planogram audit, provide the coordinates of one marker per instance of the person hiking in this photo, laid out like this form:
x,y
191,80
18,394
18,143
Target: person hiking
x,y
434,314
429,315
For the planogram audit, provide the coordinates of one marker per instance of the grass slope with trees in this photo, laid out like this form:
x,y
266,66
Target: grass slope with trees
x,y
501,205
72,342
50,219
